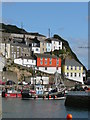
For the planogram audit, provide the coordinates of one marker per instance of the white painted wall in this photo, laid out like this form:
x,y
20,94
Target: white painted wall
x,y
2,63
38,80
55,45
2,49
25,62
50,70
48,46
77,78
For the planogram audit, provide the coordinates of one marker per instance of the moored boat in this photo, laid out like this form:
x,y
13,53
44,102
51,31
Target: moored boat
x,y
56,92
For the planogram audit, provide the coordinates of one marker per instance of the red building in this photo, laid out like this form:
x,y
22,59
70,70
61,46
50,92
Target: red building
x,y
48,63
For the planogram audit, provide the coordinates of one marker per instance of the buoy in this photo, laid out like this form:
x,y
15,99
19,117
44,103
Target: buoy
x,y
69,116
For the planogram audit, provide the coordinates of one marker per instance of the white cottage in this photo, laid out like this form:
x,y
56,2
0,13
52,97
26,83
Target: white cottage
x,y
26,61
56,44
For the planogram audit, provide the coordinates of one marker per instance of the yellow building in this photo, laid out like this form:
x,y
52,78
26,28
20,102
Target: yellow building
x,y
73,70
43,47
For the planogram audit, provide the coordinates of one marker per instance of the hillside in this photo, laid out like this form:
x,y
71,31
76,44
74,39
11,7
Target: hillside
x,y
15,29
68,50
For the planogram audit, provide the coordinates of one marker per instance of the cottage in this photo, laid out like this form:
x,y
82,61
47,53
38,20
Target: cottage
x,y
14,50
48,45
26,61
41,80
56,44
34,44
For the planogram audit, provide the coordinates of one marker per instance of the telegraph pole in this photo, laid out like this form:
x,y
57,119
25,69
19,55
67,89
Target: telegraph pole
x,y
49,32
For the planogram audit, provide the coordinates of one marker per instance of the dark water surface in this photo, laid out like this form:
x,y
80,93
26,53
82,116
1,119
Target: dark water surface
x,y
17,108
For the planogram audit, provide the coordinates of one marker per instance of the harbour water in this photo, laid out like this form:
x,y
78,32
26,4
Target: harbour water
x,y
17,108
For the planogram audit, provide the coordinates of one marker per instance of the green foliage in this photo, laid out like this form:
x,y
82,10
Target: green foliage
x,y
58,52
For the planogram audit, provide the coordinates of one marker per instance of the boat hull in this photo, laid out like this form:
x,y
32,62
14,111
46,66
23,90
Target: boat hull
x,y
52,96
11,95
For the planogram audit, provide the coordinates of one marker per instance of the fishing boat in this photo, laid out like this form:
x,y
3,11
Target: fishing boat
x,y
57,91
11,93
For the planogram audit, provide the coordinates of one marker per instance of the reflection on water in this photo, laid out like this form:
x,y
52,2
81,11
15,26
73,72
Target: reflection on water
x,y
17,108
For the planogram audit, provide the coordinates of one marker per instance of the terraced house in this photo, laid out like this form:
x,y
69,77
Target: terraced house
x,y
14,50
73,70
43,46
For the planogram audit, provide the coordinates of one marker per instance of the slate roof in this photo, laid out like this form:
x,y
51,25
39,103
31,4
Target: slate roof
x,y
34,40
48,40
19,44
72,62
45,56
26,57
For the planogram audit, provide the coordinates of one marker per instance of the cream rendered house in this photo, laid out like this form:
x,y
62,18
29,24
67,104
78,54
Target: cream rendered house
x,y
73,70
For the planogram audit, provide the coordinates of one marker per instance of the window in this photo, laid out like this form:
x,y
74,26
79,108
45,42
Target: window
x,y
45,68
59,43
75,74
17,49
67,74
36,49
57,61
12,49
48,44
79,74
79,68
50,59
41,63
71,68
71,74
67,67
45,62
50,62
75,68
45,58
41,58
